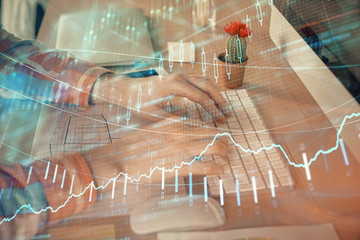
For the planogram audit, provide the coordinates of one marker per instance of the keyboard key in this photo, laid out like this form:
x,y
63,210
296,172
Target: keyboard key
x,y
277,164
245,187
233,99
246,100
231,93
227,176
251,167
248,159
239,171
234,125
229,186
260,184
235,163
243,144
242,93
272,150
250,134
274,156
227,169
251,111
244,119
267,180
260,128
256,122
265,169
241,114
255,117
267,142
248,128
252,139
248,105
255,146
281,172
239,138
260,155
232,119
233,155
285,181
242,178
236,103
262,162
243,154
263,135
255,174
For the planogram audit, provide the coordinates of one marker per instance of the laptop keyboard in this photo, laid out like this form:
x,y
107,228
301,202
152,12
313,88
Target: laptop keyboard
x,y
244,169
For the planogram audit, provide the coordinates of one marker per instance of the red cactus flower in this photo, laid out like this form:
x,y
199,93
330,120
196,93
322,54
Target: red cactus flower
x,y
237,28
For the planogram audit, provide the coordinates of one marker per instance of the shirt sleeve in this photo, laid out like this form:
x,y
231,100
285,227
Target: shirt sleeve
x,y
29,70
61,185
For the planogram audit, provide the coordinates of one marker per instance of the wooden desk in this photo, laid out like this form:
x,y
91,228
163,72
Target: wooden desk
x,y
290,113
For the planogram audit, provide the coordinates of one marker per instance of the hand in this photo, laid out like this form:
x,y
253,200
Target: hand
x,y
166,144
23,226
119,89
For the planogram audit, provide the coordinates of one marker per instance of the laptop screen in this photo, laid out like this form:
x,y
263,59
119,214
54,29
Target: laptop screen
x,y
330,29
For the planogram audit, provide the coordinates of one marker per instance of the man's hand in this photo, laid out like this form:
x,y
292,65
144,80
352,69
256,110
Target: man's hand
x,y
167,144
117,89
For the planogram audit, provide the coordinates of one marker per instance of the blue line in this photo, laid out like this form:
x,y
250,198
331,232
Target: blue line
x,y
190,185
8,195
343,150
176,181
189,163
325,161
205,190
238,193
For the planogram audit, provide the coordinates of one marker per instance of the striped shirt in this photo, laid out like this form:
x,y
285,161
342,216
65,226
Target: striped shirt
x,y
29,70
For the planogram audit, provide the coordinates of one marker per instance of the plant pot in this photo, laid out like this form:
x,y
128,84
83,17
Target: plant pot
x,y
230,75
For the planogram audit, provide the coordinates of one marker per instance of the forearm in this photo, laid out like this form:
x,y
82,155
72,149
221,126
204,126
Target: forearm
x,y
59,186
109,88
99,166
29,68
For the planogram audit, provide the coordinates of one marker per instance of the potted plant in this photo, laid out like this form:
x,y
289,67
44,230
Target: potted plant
x,y
233,61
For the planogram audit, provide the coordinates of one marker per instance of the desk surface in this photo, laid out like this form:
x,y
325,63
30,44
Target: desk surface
x,y
289,111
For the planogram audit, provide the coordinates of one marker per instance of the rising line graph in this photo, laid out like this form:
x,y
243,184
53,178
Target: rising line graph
x,y
157,168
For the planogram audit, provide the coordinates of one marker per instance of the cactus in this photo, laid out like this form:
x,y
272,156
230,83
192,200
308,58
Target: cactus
x,y
236,49
236,45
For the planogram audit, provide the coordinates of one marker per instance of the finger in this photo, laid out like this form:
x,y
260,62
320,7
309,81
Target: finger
x,y
155,113
223,139
185,89
5,229
211,89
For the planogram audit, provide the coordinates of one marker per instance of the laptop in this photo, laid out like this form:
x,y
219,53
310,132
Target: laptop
x,y
337,190
335,181
108,38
